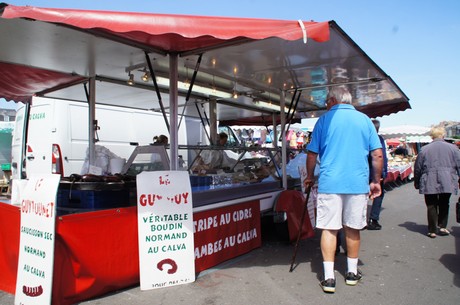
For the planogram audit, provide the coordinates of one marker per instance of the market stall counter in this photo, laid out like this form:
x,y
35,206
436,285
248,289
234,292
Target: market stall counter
x,y
97,252
96,242
399,171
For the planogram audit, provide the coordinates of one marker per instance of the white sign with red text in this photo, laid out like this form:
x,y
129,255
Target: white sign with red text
x,y
165,229
36,246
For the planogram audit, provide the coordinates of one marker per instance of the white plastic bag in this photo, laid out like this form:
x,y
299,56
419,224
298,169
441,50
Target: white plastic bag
x,y
102,161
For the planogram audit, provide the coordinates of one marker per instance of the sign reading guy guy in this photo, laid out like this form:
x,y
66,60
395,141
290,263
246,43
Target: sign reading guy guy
x,y
165,229
36,247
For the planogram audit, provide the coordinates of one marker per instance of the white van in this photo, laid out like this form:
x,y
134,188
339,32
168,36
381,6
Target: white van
x,y
56,133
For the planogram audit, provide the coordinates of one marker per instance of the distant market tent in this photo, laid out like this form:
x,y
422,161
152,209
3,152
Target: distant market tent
x,y
393,142
419,139
403,131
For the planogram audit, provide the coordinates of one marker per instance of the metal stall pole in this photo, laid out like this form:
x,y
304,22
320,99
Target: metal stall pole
x,y
213,121
92,121
283,145
157,89
173,115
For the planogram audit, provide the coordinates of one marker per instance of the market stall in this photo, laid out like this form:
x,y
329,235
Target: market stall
x,y
415,143
402,131
103,256
399,170
406,139
402,135
225,78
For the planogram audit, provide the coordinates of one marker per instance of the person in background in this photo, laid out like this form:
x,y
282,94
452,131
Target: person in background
x,y
401,150
436,173
223,138
377,202
160,140
300,140
292,139
343,138
214,159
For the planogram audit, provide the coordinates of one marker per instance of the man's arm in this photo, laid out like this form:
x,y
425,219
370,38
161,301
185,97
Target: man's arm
x,y
377,164
311,163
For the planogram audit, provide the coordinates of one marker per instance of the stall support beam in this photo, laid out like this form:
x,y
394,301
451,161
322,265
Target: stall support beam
x,y
92,120
213,121
283,137
174,114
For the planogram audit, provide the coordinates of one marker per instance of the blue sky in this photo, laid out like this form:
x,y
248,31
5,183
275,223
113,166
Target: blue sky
x,y
416,42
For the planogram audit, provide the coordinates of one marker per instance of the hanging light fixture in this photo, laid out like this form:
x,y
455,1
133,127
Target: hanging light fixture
x,y
130,79
235,93
269,105
164,82
146,76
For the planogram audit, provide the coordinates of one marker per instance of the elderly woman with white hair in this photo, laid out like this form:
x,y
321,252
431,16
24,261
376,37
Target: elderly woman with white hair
x,y
436,173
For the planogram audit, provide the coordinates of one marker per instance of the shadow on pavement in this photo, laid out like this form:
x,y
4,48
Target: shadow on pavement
x,y
451,261
277,250
275,238
415,227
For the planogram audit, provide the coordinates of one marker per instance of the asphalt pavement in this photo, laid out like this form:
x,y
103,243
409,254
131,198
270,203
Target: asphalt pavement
x,y
400,264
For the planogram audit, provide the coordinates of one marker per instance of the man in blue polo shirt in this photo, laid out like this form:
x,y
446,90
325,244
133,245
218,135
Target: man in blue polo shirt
x,y
343,138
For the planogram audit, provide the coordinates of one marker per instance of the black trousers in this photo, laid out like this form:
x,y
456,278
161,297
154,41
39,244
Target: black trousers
x,y
437,210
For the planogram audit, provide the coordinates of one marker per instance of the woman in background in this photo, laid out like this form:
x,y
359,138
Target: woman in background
x,y
436,173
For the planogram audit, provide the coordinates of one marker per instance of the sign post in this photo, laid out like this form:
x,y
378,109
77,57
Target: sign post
x,y
165,229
